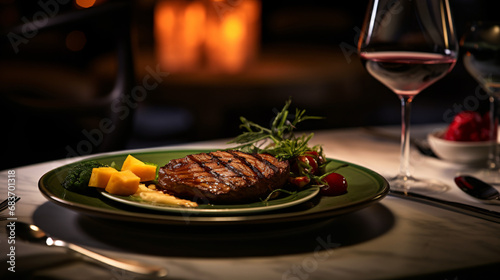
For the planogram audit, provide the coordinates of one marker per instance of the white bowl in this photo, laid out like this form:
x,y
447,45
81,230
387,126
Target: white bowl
x,y
468,152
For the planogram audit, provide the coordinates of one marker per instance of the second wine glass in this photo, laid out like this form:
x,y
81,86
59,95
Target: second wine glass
x,y
481,43
408,45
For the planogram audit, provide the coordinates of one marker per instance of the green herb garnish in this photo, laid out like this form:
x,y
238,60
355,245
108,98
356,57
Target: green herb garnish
x,y
279,140
271,194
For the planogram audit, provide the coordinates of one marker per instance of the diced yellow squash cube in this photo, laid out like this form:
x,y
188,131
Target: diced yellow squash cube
x,y
130,162
123,183
100,176
145,171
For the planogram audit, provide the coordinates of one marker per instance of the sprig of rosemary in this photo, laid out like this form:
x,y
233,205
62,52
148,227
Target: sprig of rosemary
x,y
271,194
279,140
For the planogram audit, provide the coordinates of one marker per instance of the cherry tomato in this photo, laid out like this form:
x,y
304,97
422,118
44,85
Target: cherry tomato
x,y
312,153
312,163
304,165
335,184
317,156
300,182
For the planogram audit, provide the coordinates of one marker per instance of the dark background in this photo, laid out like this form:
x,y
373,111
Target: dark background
x,y
300,57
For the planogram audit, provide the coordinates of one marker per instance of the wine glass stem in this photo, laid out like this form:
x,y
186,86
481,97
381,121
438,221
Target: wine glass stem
x,y
493,157
404,169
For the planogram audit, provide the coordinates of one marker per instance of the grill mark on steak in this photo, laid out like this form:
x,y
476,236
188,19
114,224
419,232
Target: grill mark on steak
x,y
228,165
223,176
272,166
209,170
245,161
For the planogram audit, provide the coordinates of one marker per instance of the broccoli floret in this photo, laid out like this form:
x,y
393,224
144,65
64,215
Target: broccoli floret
x,y
78,176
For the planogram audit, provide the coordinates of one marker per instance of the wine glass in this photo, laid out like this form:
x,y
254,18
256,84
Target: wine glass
x,y
408,45
481,43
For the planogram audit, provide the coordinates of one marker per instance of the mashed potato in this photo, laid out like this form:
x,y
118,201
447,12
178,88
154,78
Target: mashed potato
x,y
150,193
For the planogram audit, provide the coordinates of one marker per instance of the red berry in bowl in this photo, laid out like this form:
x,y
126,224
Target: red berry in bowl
x,y
468,126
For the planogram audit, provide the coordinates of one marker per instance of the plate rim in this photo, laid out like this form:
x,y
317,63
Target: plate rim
x,y
200,220
314,190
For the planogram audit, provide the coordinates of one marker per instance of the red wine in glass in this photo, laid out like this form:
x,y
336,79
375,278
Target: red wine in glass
x,y
407,73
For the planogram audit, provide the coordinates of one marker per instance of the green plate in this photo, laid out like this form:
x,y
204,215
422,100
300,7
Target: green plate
x,y
210,209
365,187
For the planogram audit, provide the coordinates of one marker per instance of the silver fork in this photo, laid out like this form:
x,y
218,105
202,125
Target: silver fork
x,y
5,204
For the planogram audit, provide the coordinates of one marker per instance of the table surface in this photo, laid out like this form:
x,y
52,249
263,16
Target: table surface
x,y
394,238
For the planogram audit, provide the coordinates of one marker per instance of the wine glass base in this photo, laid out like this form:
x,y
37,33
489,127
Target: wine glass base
x,y
410,184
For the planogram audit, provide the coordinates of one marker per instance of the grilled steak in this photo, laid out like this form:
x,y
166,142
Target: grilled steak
x,y
223,177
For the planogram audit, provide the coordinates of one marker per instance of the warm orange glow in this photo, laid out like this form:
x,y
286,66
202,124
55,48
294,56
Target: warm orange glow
x,y
233,28
230,44
221,34
85,3
194,19
178,33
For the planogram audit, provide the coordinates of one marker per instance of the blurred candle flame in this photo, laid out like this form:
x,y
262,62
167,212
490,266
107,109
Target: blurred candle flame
x,y
85,3
219,35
